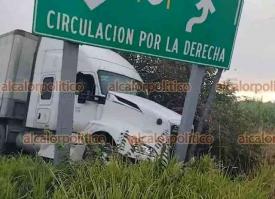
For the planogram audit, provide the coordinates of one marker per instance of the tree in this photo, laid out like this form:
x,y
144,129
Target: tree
x,y
155,70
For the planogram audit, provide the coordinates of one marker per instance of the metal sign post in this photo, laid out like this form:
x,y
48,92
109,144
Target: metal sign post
x,y
210,100
206,111
189,109
66,101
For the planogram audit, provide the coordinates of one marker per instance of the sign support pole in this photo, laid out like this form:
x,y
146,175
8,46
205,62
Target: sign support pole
x,y
66,101
210,100
207,109
189,110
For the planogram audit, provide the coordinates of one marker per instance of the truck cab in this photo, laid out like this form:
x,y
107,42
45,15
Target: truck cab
x,y
98,69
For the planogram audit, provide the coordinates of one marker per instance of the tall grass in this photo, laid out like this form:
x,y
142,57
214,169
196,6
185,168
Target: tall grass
x,y
25,177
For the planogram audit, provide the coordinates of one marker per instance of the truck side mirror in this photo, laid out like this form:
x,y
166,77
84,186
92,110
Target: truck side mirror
x,y
82,98
97,99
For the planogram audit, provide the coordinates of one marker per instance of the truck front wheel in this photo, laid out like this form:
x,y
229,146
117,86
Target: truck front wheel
x,y
2,138
103,150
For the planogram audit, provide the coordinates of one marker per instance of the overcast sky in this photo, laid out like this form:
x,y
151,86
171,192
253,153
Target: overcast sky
x,y
254,55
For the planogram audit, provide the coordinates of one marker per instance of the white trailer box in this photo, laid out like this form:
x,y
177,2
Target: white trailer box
x,y
17,54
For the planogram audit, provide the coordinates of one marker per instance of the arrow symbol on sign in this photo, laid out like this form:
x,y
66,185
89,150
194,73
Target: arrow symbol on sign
x,y
155,2
93,4
206,6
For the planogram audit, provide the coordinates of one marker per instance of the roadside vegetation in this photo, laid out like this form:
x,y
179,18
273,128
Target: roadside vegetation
x,y
26,177
232,118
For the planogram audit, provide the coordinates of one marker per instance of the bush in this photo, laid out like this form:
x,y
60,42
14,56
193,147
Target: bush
x,y
230,119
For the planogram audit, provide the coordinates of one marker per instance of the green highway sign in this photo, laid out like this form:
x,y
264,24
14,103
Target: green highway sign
x,y
196,31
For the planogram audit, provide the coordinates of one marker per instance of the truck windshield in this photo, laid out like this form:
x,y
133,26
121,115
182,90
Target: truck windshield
x,y
110,81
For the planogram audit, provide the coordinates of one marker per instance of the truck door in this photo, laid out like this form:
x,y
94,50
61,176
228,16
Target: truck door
x,y
85,111
43,110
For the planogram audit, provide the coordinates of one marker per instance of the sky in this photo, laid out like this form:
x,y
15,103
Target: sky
x,y
254,55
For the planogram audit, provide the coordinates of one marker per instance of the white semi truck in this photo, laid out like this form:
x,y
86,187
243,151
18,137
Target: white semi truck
x,y
27,59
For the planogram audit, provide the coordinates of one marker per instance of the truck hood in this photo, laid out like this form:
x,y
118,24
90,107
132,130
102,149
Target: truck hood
x,y
148,105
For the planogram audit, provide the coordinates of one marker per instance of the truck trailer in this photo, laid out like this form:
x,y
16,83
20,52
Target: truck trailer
x,y
29,64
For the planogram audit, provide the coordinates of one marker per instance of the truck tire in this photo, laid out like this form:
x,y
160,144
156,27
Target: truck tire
x,y
2,139
105,149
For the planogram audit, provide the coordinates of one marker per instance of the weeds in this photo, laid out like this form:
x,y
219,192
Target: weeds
x,y
25,177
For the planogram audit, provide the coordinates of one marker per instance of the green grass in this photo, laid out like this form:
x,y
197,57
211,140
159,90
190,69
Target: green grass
x,y
25,177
